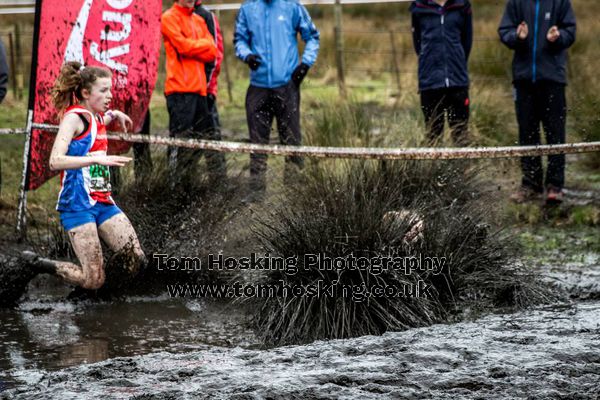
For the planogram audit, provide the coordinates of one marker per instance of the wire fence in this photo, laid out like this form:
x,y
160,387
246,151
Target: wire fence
x,y
28,6
399,57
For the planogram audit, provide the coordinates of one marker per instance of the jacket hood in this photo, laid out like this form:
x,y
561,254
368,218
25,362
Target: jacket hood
x,y
183,10
431,6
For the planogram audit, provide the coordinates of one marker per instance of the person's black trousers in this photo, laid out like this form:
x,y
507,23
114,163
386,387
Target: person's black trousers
x,y
541,102
189,117
454,102
211,103
141,154
218,166
262,106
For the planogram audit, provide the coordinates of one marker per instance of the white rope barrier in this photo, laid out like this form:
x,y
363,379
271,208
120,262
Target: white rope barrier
x,y
17,10
414,153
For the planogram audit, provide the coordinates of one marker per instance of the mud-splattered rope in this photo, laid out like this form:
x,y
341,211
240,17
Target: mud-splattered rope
x,y
414,153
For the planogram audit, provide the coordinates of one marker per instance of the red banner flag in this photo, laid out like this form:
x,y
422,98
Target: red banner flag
x,y
122,35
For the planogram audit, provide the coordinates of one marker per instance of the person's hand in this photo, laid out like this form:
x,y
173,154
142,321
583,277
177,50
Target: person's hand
x,y
522,30
211,98
112,161
553,34
124,120
300,73
253,61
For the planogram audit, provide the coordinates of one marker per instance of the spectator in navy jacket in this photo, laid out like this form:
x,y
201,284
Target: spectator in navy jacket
x,y
442,37
540,32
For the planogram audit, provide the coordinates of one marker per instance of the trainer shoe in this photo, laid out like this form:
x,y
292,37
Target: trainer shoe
x,y
554,196
524,194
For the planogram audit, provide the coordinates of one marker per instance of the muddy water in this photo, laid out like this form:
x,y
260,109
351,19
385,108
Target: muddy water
x,y
47,333
153,347
541,354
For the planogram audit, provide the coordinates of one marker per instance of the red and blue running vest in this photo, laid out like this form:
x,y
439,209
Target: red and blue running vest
x,y
82,188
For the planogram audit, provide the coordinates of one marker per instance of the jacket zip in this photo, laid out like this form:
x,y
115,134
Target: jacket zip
x,y
447,82
268,63
195,36
535,39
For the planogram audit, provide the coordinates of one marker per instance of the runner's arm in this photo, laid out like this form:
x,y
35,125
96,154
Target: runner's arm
x,y
70,126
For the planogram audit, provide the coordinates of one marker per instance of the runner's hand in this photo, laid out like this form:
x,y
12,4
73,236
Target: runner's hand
x,y
112,161
124,120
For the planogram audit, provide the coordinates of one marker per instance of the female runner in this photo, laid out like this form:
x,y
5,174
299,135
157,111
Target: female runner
x,y
87,210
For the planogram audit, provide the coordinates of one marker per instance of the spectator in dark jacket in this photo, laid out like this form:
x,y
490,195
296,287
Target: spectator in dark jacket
x,y
212,71
540,32
443,37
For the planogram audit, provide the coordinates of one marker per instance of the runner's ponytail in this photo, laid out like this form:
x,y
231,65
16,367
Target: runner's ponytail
x,y
72,79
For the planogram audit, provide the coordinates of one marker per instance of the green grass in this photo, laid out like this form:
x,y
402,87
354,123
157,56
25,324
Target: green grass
x,y
544,243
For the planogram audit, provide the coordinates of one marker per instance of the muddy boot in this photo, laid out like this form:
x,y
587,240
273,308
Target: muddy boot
x,y
37,263
81,294
257,187
292,173
15,274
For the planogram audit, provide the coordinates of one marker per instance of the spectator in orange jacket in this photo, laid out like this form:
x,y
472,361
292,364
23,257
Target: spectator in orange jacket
x,y
188,46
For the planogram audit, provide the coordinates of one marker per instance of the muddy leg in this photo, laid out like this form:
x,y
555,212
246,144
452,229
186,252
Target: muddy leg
x,y
88,250
118,233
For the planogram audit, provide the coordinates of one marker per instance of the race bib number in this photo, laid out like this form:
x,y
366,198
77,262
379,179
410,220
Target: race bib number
x,y
99,178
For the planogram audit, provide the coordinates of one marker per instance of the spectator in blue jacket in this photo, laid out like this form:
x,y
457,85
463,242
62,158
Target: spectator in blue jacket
x,y
443,37
265,39
540,32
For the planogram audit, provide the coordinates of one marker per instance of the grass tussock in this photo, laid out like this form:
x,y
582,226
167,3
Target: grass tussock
x,y
346,214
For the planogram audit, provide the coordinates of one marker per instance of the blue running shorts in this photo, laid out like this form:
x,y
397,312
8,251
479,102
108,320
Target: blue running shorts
x,y
97,214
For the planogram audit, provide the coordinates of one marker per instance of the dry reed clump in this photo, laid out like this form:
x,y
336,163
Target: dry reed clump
x,y
346,213
179,221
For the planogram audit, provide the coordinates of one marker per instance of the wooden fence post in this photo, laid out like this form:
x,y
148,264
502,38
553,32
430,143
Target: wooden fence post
x,y
19,62
225,63
396,66
339,49
13,72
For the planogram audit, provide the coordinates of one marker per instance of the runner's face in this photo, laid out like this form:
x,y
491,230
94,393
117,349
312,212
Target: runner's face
x,y
186,3
99,97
